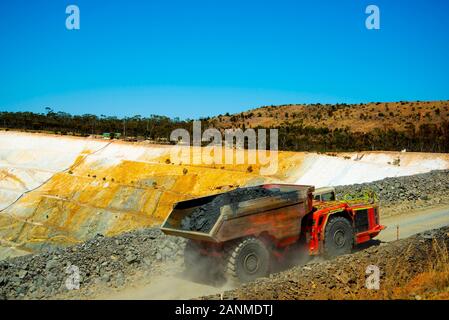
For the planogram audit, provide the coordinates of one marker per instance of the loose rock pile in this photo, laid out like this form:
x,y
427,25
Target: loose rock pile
x,y
101,261
417,190
203,218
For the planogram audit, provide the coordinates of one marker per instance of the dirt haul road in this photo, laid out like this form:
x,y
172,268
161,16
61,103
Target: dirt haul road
x,y
403,226
176,286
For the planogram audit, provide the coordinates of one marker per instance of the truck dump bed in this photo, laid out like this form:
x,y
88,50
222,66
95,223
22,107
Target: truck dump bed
x,y
275,209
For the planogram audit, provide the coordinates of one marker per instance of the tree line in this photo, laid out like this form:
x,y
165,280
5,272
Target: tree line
x,y
292,137
153,127
424,138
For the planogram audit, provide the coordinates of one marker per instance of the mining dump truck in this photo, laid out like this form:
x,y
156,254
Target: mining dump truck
x,y
243,232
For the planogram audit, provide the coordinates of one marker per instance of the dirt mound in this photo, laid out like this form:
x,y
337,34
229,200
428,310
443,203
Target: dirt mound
x,y
345,277
203,218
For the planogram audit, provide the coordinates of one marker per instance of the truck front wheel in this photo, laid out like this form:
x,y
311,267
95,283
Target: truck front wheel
x,y
248,260
338,237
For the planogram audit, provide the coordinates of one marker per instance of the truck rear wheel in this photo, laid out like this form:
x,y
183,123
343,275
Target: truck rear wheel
x,y
338,237
248,260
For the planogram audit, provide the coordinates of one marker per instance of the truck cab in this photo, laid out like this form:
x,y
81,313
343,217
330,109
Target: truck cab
x,y
324,194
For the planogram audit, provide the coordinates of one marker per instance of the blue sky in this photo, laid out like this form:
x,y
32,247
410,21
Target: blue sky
x,y
199,58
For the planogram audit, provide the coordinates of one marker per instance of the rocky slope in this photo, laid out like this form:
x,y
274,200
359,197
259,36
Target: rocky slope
x,y
404,194
345,277
102,262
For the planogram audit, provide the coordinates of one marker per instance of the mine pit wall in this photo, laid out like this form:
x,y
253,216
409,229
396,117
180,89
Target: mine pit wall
x,y
351,168
27,161
117,188
98,187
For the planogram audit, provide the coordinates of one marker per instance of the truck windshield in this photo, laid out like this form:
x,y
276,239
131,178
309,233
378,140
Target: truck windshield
x,y
328,196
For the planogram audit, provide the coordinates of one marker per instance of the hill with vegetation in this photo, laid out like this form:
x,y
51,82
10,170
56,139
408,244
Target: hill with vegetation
x,y
356,117
414,126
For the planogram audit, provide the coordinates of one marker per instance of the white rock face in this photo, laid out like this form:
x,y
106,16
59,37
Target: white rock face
x,y
322,170
27,160
116,152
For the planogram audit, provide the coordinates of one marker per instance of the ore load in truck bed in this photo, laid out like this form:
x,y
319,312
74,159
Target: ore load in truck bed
x,y
274,209
203,218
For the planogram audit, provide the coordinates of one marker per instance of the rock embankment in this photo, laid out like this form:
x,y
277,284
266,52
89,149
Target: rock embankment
x,y
345,277
402,194
101,261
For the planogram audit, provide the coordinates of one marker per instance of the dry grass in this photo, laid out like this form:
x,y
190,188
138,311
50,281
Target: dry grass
x,y
403,280
430,283
433,283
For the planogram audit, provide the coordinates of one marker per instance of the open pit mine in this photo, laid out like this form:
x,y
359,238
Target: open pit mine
x,y
57,191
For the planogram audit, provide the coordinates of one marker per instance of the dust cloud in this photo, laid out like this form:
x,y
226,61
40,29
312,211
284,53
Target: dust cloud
x,y
173,284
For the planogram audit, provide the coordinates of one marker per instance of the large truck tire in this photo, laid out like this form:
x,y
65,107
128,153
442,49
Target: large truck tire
x,y
338,237
247,260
